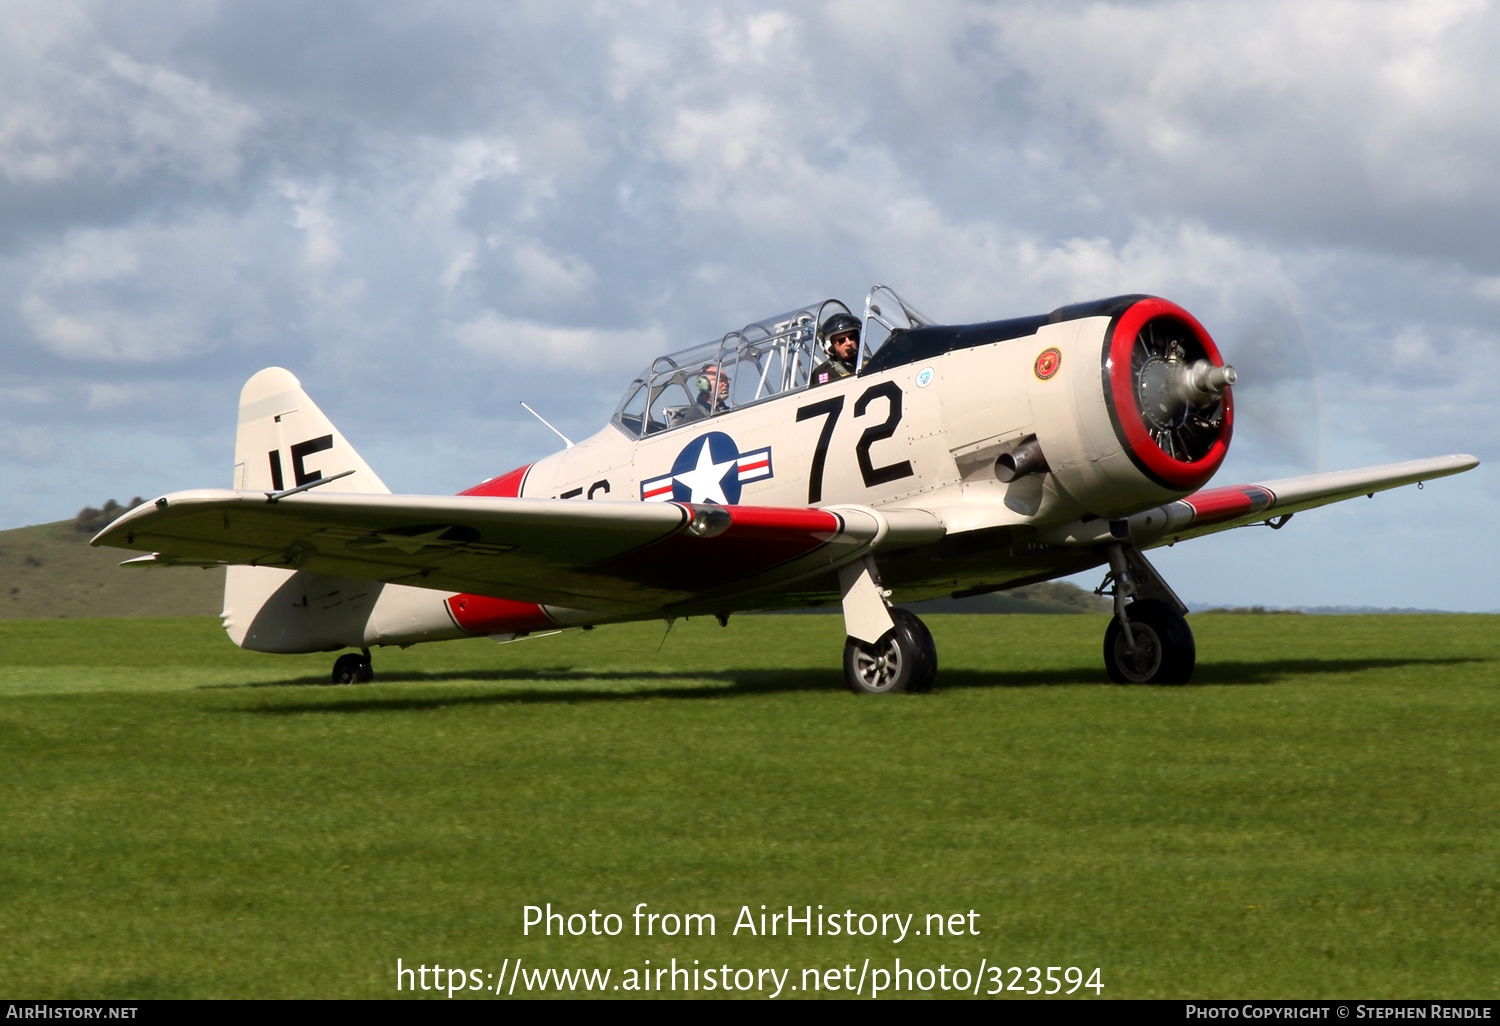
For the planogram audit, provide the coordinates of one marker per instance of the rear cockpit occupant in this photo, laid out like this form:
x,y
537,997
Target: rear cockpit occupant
x,y
713,390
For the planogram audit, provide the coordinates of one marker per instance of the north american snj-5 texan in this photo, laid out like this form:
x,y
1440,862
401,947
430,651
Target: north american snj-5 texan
x,y
813,458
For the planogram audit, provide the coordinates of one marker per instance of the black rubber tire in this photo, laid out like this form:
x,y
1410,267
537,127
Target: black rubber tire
x,y
1165,650
903,660
351,668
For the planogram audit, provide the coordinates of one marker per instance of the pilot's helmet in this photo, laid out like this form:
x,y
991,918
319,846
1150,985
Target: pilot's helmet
x,y
838,324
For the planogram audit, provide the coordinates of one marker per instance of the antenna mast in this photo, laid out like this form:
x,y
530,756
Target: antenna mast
x,y
554,430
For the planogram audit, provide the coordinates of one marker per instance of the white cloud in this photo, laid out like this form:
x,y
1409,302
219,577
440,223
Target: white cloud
x,y
1487,288
551,277
1300,115
142,293
586,351
102,115
446,172
310,216
30,445
104,395
32,395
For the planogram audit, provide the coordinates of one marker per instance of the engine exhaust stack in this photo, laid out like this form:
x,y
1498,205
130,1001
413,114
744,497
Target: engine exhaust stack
x,y
1024,459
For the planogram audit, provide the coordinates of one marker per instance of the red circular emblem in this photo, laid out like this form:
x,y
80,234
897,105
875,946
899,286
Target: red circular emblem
x,y
1047,363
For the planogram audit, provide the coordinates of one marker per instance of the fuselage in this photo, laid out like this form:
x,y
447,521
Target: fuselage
x,y
922,427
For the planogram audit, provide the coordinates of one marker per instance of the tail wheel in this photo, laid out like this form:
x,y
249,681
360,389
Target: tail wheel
x,y
1164,653
904,659
353,668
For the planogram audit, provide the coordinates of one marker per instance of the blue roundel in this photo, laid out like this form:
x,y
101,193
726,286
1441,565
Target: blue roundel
x,y
711,463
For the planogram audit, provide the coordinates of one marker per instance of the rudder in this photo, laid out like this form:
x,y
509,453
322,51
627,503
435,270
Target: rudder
x,y
283,440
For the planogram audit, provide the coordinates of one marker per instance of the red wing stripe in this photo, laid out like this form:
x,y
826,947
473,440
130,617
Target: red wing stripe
x,y
758,539
1219,504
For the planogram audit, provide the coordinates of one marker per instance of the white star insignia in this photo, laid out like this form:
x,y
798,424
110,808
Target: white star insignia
x,y
705,482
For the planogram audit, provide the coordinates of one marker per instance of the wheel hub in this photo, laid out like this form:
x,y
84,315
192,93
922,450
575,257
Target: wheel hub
x,y
1143,663
881,669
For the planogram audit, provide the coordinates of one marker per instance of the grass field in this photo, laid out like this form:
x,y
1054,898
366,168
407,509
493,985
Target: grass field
x,y
1315,817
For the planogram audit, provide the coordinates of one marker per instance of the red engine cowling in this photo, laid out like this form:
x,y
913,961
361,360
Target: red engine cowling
x,y
1138,408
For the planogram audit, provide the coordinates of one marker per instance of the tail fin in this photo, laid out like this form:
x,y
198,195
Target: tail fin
x,y
284,440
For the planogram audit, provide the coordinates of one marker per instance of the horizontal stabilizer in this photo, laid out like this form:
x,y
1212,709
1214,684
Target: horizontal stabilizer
x,y
157,559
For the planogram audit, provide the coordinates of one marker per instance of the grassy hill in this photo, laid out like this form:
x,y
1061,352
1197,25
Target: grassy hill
x,y
1051,597
49,571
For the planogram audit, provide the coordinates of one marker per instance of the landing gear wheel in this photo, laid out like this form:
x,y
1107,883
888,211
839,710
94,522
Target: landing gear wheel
x,y
1164,649
904,659
352,668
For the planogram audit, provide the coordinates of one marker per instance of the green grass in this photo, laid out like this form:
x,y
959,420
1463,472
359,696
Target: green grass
x,y
1315,817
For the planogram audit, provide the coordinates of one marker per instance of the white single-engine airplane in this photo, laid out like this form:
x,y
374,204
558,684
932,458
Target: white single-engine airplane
x,y
809,459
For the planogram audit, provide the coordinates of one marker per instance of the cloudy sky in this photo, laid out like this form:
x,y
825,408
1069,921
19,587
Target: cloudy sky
x,y
429,211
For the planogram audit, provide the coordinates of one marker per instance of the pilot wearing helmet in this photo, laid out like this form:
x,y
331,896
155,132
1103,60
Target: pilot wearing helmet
x,y
841,343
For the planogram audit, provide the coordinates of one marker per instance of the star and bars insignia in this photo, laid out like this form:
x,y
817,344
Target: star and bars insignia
x,y
710,468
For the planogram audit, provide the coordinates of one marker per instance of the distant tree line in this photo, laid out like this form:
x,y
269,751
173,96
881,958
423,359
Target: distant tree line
x,y
94,520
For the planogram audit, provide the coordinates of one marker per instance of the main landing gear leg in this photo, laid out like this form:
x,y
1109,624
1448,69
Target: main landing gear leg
x,y
353,669
1149,640
887,650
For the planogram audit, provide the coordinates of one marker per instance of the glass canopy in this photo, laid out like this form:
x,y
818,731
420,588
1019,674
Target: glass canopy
x,y
761,361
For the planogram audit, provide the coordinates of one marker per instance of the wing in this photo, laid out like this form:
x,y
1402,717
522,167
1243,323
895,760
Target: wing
x,y
614,557
1220,509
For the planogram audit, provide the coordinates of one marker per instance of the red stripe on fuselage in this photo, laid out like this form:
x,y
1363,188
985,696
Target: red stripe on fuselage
x,y
757,539
506,486
480,614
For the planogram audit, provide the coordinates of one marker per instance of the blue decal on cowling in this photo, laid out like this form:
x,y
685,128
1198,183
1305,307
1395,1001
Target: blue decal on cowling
x,y
710,469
